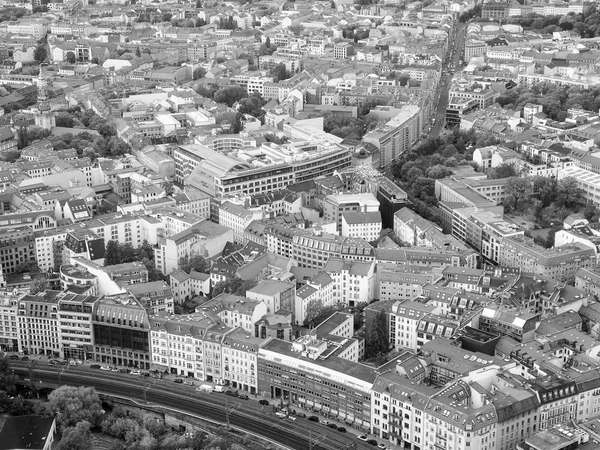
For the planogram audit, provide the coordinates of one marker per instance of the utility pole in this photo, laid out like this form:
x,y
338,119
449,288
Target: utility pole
x,y
30,368
229,409
60,372
146,387
312,442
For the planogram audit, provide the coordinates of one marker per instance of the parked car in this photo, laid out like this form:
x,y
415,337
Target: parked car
x,y
79,362
363,437
188,382
332,425
243,397
25,358
372,442
106,368
13,357
302,415
95,366
232,393
313,418
72,362
178,380
146,374
114,369
292,418
124,370
341,429
381,446
54,362
280,414
263,402
136,372
324,422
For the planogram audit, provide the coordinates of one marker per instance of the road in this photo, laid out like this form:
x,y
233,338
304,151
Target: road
x,y
455,49
248,415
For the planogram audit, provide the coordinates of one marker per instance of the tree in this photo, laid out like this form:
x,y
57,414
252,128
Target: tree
x,y
70,57
40,53
199,72
197,262
11,156
111,253
545,188
235,286
22,138
7,376
502,171
138,53
279,73
76,438
237,123
376,339
72,405
38,285
268,42
167,186
517,188
230,95
64,119
568,192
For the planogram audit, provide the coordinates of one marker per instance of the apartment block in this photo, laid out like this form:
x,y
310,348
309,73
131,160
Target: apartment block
x,y
17,246
75,313
316,293
38,324
335,206
354,281
237,218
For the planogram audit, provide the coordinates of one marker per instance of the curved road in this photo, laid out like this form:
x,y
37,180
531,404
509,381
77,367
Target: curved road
x,y
247,415
457,47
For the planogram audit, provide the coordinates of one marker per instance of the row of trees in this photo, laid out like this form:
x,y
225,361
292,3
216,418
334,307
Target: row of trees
x,y
587,25
555,99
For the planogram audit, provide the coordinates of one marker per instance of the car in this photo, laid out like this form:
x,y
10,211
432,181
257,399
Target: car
x,y
292,418
313,418
178,380
13,357
124,370
341,429
146,374
232,393
332,425
280,414
188,382
79,362
95,366
325,422
363,437
372,442
54,362
63,363
114,369
243,397
263,402
302,415
106,368
25,358
135,372
381,446
72,362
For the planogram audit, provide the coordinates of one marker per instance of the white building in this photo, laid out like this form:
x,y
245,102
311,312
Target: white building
x,y
354,281
362,225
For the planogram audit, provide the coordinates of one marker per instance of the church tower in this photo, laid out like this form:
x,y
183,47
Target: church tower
x,y
44,118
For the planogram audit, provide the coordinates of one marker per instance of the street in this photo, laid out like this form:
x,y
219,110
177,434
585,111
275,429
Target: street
x,y
455,49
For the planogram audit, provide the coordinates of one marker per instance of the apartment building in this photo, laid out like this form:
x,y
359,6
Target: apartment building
x,y
155,296
483,97
175,221
121,332
38,324
9,326
404,319
398,134
588,280
353,281
558,263
316,293
235,311
335,206
237,218
49,246
314,251
275,294
509,321
17,246
240,360
204,239
75,314
403,281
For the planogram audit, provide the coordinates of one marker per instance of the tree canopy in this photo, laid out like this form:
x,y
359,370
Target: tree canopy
x,y
73,405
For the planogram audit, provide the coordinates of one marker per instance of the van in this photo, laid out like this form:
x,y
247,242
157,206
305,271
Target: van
x,y
219,389
207,388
